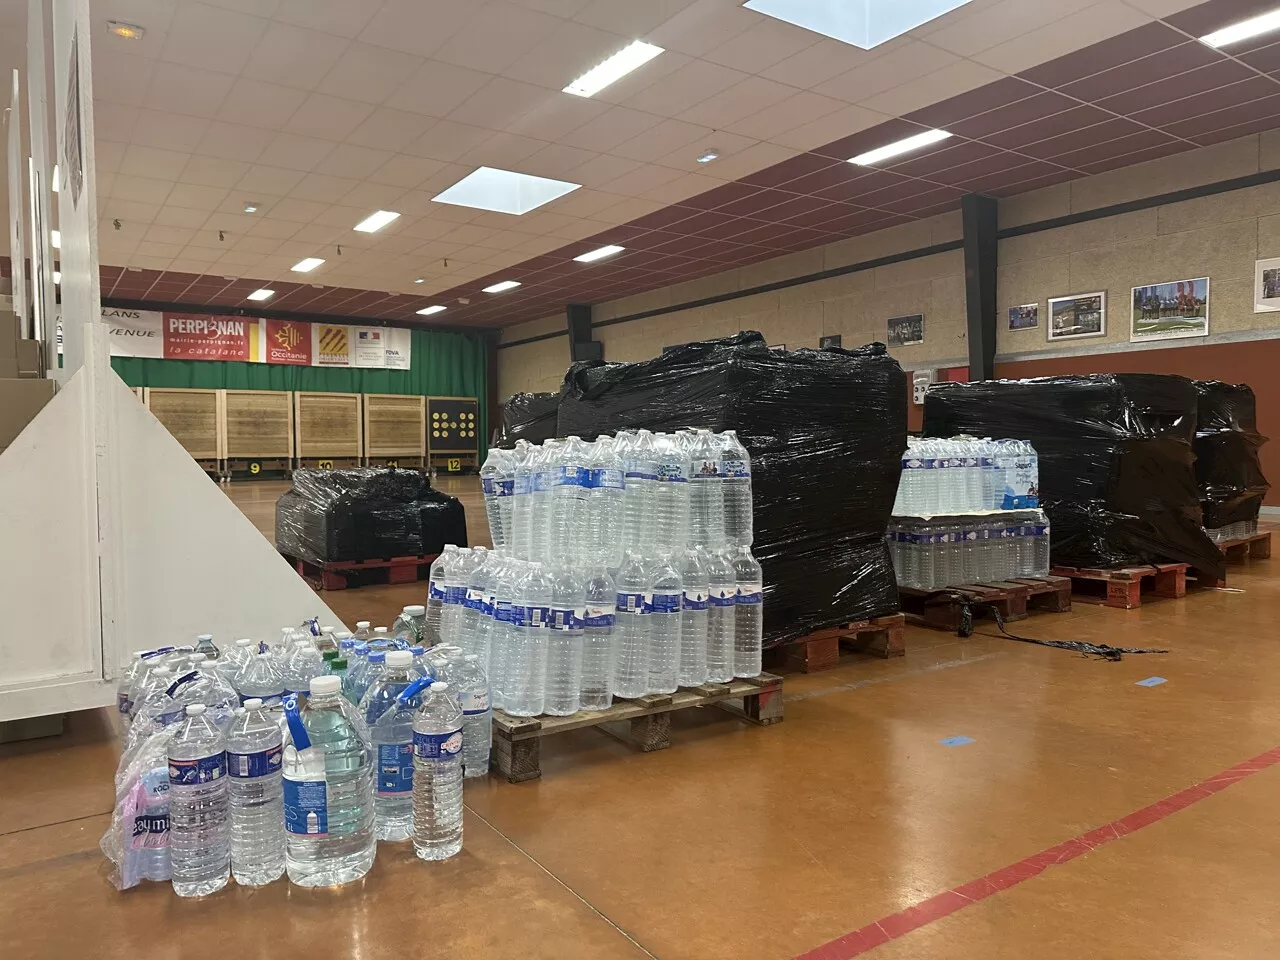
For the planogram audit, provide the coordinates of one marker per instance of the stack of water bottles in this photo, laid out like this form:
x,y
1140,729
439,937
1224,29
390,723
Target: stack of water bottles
x,y
621,566
967,511
295,758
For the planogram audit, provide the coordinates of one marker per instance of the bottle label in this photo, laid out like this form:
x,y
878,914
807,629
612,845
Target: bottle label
x,y
474,599
543,481
735,469
694,600
750,593
437,746
986,462
664,601
489,486
498,488
705,468
270,700
562,618
968,535
455,595
246,766
474,702
535,616
571,477
150,831
435,591
189,773
642,472
672,473
630,602
490,601
596,617
1029,502
609,478
123,703
915,463
1040,531
504,611
984,535
306,807
395,769
523,484
723,596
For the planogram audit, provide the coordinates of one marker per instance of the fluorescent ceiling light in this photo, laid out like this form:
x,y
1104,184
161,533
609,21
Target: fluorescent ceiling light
x,y
1243,31
629,58
428,311
920,140
420,280
376,221
862,23
262,294
250,208
307,265
504,285
57,276
504,191
709,156
55,237
600,254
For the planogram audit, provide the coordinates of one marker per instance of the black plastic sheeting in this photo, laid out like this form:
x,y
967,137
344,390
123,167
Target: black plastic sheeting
x,y
528,416
366,513
825,431
1227,441
1117,474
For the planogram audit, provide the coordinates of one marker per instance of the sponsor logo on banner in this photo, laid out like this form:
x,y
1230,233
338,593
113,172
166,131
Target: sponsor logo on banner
x,y
288,342
396,352
188,337
134,333
370,347
332,346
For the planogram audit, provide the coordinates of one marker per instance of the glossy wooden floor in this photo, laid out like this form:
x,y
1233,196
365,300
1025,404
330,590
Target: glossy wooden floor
x,y
741,842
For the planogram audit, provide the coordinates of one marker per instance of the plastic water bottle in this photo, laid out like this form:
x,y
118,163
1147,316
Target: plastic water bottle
x,y
526,662
303,663
362,633
722,582
435,594
748,615
410,625
437,775
570,502
564,643
497,479
1041,563
472,685
255,752
260,677
355,667
131,679
706,513
471,637
205,645
607,489
599,643
328,789
389,716
663,600
502,629
457,576
522,499
735,468
631,619
370,670
545,478
640,493
199,832
691,664
671,492
231,663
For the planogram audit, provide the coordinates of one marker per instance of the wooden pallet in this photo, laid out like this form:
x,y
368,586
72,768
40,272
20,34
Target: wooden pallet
x,y
1240,550
820,650
1124,587
1012,598
339,575
644,723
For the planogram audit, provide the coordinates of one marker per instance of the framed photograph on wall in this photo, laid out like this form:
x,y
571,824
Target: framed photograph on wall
x,y
1170,311
1077,316
1024,317
904,331
1266,286
829,341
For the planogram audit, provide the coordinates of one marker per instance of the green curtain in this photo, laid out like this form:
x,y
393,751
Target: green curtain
x,y
441,365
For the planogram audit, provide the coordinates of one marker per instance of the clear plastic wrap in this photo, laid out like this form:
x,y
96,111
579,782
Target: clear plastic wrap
x,y
825,431
1228,470
528,416
137,841
1117,475
366,513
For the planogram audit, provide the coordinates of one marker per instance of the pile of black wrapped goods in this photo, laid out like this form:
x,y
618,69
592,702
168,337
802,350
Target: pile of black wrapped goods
x,y
366,513
1228,471
1117,469
528,416
825,431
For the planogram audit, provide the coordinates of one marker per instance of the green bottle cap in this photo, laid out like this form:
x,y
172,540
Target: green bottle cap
x,y
337,664
330,655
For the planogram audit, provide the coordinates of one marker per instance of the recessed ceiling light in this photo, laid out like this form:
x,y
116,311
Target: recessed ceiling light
x,y
57,276
629,58
130,31
900,147
419,279
376,221
263,294
504,285
55,238
862,23
594,255
428,311
709,156
250,208
307,265
504,191
1264,23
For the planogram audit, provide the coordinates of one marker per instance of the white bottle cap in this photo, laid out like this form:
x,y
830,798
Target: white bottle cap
x,y
244,642
362,624
342,634
195,709
204,636
324,685
379,630
327,629
199,657
399,658
416,610
253,703
440,686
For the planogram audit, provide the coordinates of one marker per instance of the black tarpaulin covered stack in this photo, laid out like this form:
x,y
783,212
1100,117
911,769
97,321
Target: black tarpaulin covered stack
x,y
528,416
366,513
1117,475
825,430
1228,471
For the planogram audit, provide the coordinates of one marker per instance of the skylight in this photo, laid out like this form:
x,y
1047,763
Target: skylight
x,y
504,191
862,23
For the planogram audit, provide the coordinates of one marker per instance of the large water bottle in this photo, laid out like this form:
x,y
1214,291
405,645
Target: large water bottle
x,y
468,677
366,675
608,494
457,576
233,661
437,777
722,592
544,483
255,752
328,789
435,594
748,615
564,643
599,640
570,502
735,468
356,665
410,626
389,716
502,628
149,699
706,513
205,645
199,832
130,680
526,661
691,665
162,658
301,663
497,480
631,619
640,495
671,493
1041,563
470,633
663,596
222,698
524,468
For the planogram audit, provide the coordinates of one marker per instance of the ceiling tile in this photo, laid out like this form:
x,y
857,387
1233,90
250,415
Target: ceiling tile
x,y
296,153
869,139
691,84
341,17
349,160
1142,41
446,140
369,74
328,118
568,52
1000,93
211,38
960,76
142,161
738,102
213,172
142,189
1076,31
1038,107
169,131
268,181
759,47
435,89
1058,124
898,66
196,197
817,64
171,216
663,140
702,26
416,26
612,127
999,23
121,78
391,130
795,110
405,171
178,88
294,56
296,210
1207,17
322,189
497,36
842,123
500,103
260,104
1211,101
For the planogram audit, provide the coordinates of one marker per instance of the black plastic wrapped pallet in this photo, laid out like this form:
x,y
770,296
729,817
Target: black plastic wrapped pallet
x,y
1228,470
366,513
825,430
1117,475
528,416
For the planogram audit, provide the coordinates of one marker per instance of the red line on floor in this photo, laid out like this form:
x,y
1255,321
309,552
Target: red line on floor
x,y
897,925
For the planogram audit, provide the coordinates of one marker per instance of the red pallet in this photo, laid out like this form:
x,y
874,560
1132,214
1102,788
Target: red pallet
x,y
820,650
1242,550
1124,585
340,574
